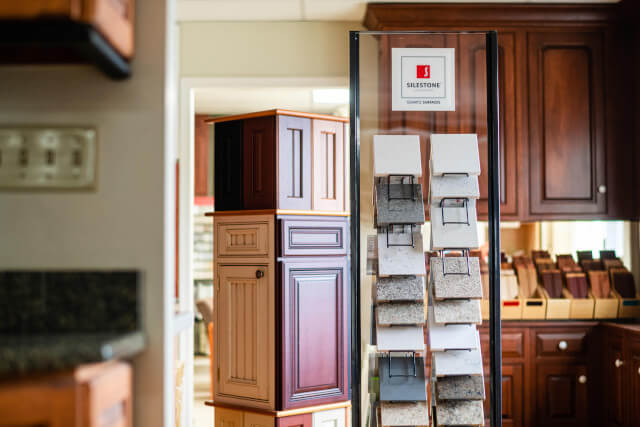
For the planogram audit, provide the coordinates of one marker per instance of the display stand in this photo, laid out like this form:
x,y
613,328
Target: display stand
x,y
376,88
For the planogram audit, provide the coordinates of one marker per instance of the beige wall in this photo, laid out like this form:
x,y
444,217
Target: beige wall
x,y
265,49
120,224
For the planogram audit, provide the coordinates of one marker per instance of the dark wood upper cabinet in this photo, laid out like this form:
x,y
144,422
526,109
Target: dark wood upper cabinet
x,y
566,116
228,176
259,163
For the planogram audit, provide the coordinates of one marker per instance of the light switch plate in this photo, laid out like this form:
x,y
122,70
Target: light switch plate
x,y
42,158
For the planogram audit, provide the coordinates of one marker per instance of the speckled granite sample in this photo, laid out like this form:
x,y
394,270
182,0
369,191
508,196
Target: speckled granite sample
x,y
405,207
457,311
453,186
400,338
460,413
400,260
456,285
400,313
400,288
404,414
445,235
463,387
21,355
457,362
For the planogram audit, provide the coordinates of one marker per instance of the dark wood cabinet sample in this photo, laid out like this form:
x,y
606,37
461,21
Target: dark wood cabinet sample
x,y
259,163
228,176
314,332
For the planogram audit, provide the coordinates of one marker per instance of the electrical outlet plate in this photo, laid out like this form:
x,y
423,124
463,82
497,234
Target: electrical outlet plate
x,y
51,157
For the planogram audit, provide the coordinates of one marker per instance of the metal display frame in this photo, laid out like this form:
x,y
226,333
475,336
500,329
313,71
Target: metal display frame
x,y
493,144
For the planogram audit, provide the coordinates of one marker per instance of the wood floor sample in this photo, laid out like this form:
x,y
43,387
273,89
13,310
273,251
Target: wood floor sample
x,y
577,284
622,281
599,281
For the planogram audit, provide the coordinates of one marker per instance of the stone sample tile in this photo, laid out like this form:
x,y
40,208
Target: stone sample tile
x,y
402,379
460,413
396,155
457,311
400,313
404,414
400,338
462,387
400,288
400,260
445,235
454,153
446,286
457,362
452,337
453,186
405,207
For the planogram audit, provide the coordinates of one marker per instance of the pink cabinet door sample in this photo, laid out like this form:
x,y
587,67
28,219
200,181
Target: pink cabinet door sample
x,y
294,163
328,166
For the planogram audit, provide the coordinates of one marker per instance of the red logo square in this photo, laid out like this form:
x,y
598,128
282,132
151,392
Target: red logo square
x,y
423,71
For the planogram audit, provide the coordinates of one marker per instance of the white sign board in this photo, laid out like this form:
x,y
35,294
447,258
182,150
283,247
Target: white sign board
x,y
423,79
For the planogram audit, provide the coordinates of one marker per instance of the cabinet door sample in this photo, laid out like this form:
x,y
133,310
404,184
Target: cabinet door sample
x,y
328,168
314,327
228,166
567,119
294,163
244,306
252,419
259,163
303,420
228,418
512,395
561,395
330,418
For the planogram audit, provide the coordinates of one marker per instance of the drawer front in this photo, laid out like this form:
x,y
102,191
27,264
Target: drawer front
x,y
313,236
512,345
561,344
244,237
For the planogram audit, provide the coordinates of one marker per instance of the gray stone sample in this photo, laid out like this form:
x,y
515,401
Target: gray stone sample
x,y
400,338
400,288
453,186
404,414
462,387
456,362
400,260
457,311
460,413
449,285
449,227
400,313
405,207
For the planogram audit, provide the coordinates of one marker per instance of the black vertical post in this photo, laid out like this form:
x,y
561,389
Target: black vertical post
x,y
354,157
493,144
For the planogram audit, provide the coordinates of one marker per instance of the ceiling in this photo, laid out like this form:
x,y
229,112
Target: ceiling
x,y
305,10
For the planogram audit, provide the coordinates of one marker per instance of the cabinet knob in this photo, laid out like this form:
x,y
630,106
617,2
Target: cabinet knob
x,y
259,274
582,379
562,345
618,363
602,189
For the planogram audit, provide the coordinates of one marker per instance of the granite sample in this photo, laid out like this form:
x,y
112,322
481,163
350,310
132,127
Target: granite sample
x,y
404,414
402,379
453,186
452,337
400,288
396,155
446,286
457,311
400,313
455,154
404,207
460,413
462,387
457,362
400,338
400,260
449,227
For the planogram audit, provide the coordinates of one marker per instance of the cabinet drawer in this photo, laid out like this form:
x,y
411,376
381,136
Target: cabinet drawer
x,y
561,344
246,236
313,236
512,345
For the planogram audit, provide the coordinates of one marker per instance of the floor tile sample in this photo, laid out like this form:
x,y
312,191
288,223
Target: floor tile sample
x,y
446,230
453,186
508,285
404,207
402,379
396,155
400,313
400,338
452,337
462,387
455,154
400,288
460,413
404,414
449,285
457,362
400,260
457,311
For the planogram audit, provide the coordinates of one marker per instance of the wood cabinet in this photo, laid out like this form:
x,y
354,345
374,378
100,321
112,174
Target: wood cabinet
x,y
282,292
561,395
280,159
336,415
512,395
202,156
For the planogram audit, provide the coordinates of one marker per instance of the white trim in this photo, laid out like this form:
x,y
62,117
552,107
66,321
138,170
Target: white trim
x,y
182,321
195,83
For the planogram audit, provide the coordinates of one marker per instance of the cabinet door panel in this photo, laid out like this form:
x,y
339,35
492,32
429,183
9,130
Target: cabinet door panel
x,y
228,418
613,381
259,163
245,335
251,419
294,163
314,324
228,166
330,418
303,420
634,398
512,395
566,118
561,397
328,168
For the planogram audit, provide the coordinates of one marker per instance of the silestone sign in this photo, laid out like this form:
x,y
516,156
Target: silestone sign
x,y
423,79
